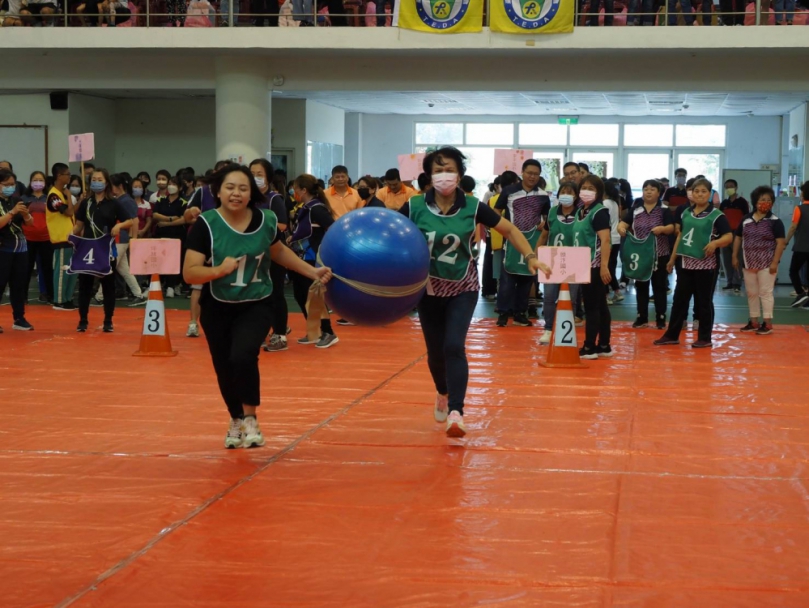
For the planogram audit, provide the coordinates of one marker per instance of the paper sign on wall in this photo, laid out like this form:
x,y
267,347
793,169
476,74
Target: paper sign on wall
x,y
510,160
410,166
154,256
81,147
568,264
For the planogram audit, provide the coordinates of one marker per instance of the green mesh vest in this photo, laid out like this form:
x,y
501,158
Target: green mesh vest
x,y
560,234
251,280
639,257
696,233
449,237
584,235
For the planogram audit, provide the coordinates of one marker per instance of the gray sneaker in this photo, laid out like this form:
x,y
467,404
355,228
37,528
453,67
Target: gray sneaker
x,y
138,301
276,344
327,340
306,341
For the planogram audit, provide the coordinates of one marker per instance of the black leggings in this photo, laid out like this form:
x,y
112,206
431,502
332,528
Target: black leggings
x,y
615,250
235,333
699,284
799,258
280,310
660,285
597,319
13,269
41,253
86,283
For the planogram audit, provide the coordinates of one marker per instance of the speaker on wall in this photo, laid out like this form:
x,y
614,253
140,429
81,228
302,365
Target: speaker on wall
x,y
59,100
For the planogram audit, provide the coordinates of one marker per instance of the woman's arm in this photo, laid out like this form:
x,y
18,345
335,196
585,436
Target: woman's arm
x,y
737,244
146,227
673,258
604,236
543,238
78,228
195,272
780,245
283,255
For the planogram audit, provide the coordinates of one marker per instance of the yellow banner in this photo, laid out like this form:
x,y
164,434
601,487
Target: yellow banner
x,y
532,16
440,16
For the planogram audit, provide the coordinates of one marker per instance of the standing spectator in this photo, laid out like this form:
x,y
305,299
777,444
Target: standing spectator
x,y
677,195
612,201
265,12
162,180
367,188
395,193
735,208
572,173
145,180
800,250
60,207
40,251
144,208
342,197
13,248
120,189
168,213
20,187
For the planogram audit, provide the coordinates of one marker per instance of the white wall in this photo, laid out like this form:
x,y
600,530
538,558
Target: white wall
x,y
94,115
36,110
325,124
352,144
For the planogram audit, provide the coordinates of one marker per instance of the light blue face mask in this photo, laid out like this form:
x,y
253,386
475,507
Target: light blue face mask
x,y
75,190
566,199
9,190
136,192
98,186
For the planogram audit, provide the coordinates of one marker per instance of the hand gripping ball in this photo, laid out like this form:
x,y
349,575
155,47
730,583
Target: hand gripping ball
x,y
380,261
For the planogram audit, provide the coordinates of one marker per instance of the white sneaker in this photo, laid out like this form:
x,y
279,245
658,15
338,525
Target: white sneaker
x,y
235,437
193,330
252,434
440,411
455,425
170,292
618,296
546,337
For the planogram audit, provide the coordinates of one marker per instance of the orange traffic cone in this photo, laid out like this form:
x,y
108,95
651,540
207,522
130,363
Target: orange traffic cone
x,y
155,341
564,351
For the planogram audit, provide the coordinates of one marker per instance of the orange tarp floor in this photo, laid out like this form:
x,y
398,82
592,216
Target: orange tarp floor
x,y
663,477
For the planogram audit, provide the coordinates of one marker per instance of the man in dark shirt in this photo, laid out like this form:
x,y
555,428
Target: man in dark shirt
x,y
676,195
734,207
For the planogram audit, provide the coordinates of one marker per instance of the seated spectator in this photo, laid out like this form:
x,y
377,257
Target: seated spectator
x,y
286,19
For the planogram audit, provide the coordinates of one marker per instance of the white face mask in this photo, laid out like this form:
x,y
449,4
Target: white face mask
x,y
566,199
172,189
260,181
445,183
587,196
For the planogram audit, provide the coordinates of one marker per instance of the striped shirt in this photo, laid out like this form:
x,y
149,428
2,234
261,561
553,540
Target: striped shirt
x,y
759,240
643,221
524,209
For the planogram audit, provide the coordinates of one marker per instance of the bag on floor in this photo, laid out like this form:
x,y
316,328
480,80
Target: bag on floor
x,y
92,256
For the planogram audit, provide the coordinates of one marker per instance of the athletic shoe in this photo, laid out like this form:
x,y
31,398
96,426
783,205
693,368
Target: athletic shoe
x,y
455,425
521,320
661,323
750,326
639,324
82,327
578,321
664,341
440,410
546,337
623,284
65,306
618,296
327,341
275,344
22,325
235,436
96,302
193,330
121,297
533,313
737,290
252,434
695,324
108,328
728,288
764,330
289,330
305,340
604,352
793,293
799,300
586,353
170,292
610,300
344,323
138,301
702,344
42,298
502,320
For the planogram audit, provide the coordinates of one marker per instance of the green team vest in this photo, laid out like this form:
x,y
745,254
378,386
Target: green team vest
x,y
449,237
583,233
514,260
696,233
251,280
639,257
560,234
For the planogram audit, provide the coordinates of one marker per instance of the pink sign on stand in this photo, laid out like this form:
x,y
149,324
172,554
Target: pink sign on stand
x,y
81,147
510,160
568,264
410,166
154,256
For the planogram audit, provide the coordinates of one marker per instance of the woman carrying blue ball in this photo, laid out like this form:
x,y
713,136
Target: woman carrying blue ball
x,y
448,218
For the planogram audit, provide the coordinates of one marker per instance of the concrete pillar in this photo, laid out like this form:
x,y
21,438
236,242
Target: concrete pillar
x,y
243,109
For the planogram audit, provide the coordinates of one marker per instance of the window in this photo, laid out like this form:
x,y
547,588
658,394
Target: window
x,y
642,166
490,134
543,135
600,163
701,136
437,133
551,163
708,165
479,164
649,135
593,135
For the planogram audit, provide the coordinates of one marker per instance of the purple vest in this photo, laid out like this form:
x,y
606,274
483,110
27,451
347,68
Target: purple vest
x,y
92,256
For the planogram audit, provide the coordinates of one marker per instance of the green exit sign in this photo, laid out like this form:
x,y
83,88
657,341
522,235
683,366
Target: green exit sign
x,y
568,120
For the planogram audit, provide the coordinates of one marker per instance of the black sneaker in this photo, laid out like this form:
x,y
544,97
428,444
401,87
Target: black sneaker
x,y
533,313
502,320
108,329
799,300
665,341
750,326
96,302
604,352
764,330
728,288
702,344
344,323
82,327
586,353
640,324
22,325
661,322
65,306
521,320
42,298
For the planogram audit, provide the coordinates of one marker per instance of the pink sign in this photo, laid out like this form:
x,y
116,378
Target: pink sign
x,y
81,147
510,160
410,166
154,256
568,264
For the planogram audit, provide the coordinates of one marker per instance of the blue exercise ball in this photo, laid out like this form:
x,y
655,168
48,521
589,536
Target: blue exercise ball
x,y
382,260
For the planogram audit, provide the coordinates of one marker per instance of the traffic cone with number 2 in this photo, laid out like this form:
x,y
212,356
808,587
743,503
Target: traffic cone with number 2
x,y
155,340
564,351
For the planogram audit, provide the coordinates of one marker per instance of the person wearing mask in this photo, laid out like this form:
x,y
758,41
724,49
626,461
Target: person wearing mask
x,y
120,190
735,208
558,231
14,271
800,249
312,219
60,207
144,208
40,251
342,197
612,201
572,173
592,229
448,219
168,213
162,179
98,215
701,230
525,205
650,219
762,239
677,195
367,188
20,188
395,193
76,189
227,242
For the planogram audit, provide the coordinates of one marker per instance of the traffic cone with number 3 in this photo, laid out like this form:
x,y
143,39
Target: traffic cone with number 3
x,y
155,340
564,350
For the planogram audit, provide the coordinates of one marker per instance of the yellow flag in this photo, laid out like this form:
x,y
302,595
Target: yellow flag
x,y
440,16
531,16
